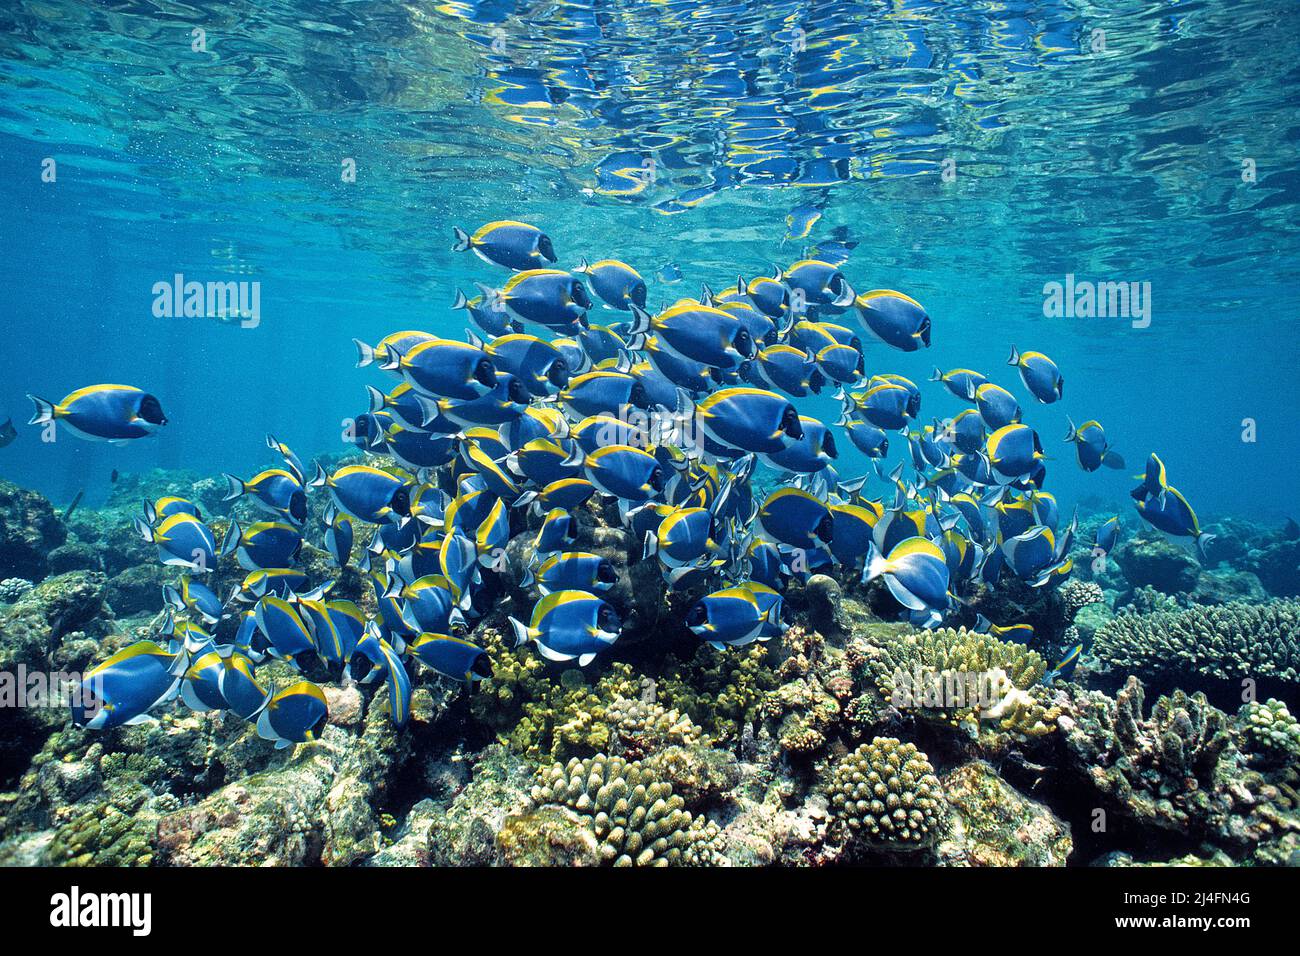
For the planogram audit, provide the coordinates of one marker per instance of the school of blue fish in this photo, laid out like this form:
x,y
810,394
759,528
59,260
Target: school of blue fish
x,y
683,421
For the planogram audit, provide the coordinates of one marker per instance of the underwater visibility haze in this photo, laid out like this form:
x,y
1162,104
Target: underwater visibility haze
x,y
649,433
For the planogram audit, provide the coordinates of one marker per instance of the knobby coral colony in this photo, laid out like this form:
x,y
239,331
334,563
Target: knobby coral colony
x,y
603,479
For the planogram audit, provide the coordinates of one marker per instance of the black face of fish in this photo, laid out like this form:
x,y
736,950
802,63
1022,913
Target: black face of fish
x,y
790,423
607,619
298,506
605,573
517,392
816,381
364,430
580,296
925,331
855,343
558,373
151,411
637,396
656,479
546,249
698,616
913,404
637,295
485,373
482,666
826,528
401,501
744,343
828,446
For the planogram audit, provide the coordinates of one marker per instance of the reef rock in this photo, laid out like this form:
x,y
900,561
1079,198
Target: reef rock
x,y
992,824
29,531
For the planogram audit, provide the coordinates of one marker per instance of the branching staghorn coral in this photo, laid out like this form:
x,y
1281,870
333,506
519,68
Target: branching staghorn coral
x,y
1227,642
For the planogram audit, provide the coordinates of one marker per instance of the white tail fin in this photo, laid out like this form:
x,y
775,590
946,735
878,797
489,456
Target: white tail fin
x,y
237,488
365,354
45,412
463,240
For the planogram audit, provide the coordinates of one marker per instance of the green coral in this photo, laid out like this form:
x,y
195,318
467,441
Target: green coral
x,y
886,796
1271,733
721,690
542,716
635,816
963,678
1228,642
119,832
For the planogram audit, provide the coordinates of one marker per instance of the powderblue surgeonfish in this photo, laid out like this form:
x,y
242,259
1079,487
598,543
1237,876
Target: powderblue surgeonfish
x,y
569,625
515,245
294,715
1153,482
182,541
195,598
452,657
617,283
572,571
961,382
546,297
266,544
916,573
276,490
1014,450
896,319
731,616
374,658
1172,514
1092,447
1040,375
112,413
123,689
1108,535
750,419
365,493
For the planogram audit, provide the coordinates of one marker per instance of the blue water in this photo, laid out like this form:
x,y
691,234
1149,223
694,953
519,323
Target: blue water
x,y
1115,164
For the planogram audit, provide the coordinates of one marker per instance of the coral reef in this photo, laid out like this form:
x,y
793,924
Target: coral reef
x,y
1176,769
1229,642
886,796
964,678
619,808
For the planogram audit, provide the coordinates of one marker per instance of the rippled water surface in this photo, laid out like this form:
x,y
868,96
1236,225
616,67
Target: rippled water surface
x,y
970,152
